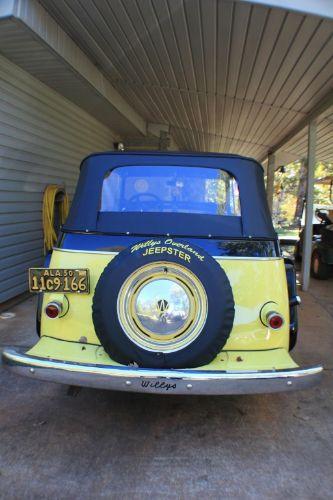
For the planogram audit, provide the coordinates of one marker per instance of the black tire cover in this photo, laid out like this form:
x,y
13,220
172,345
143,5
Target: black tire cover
x,y
221,307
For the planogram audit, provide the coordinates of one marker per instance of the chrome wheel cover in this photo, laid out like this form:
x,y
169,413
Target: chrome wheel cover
x,y
162,307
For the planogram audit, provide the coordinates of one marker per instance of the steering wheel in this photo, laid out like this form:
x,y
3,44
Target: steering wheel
x,y
136,198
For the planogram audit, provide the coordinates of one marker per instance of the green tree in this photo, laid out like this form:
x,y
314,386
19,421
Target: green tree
x,y
289,191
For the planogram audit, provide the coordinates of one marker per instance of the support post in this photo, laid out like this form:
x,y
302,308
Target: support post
x,y
307,241
270,181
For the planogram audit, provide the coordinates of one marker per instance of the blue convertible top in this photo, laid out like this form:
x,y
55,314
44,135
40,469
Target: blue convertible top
x,y
255,219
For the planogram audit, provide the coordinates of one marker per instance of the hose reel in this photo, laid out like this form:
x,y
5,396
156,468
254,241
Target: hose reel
x,y
55,211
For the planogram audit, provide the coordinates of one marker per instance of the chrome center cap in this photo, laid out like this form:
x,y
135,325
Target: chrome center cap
x,y
162,306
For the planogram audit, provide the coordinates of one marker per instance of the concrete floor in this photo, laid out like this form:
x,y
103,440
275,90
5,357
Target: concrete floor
x,y
100,444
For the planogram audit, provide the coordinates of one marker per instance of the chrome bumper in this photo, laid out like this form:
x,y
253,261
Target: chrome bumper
x,y
166,381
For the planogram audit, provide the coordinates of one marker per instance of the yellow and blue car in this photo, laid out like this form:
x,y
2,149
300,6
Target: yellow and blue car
x,y
167,278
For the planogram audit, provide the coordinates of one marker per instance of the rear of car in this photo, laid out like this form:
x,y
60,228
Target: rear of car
x,y
167,278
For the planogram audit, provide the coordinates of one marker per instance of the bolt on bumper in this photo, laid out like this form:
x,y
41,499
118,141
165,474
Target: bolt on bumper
x,y
160,381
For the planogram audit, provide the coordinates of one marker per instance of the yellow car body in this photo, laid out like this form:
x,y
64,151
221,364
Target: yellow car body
x,y
251,357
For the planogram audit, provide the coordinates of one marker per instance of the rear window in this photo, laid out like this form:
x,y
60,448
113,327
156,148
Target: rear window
x,y
170,189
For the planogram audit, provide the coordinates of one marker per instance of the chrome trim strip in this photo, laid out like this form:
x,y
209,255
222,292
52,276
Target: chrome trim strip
x,y
69,250
161,381
217,257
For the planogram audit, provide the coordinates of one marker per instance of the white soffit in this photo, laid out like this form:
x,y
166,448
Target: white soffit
x,y
297,146
33,40
225,75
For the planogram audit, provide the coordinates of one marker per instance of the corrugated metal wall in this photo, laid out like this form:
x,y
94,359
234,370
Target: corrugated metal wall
x,y
43,138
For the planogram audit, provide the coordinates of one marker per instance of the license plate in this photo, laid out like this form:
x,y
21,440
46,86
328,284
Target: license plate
x,y
59,280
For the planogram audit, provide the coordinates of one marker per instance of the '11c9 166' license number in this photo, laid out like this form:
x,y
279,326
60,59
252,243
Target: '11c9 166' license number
x,y
59,280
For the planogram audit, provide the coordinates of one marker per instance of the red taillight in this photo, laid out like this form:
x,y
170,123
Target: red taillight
x,y
274,320
53,309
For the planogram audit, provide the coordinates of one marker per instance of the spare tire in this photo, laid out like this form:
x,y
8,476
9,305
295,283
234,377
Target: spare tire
x,y
163,303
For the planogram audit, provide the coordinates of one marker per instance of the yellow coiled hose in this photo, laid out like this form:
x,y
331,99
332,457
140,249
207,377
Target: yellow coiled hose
x,y
49,200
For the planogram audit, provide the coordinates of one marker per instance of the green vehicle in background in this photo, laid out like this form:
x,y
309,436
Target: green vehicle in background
x,y
322,249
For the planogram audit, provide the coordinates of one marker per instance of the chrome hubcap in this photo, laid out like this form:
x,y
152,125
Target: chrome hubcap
x,y
162,307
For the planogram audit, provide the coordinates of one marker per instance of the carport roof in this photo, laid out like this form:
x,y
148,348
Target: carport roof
x,y
225,76
297,146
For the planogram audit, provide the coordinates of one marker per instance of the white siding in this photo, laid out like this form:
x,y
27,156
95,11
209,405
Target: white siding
x,y
43,138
